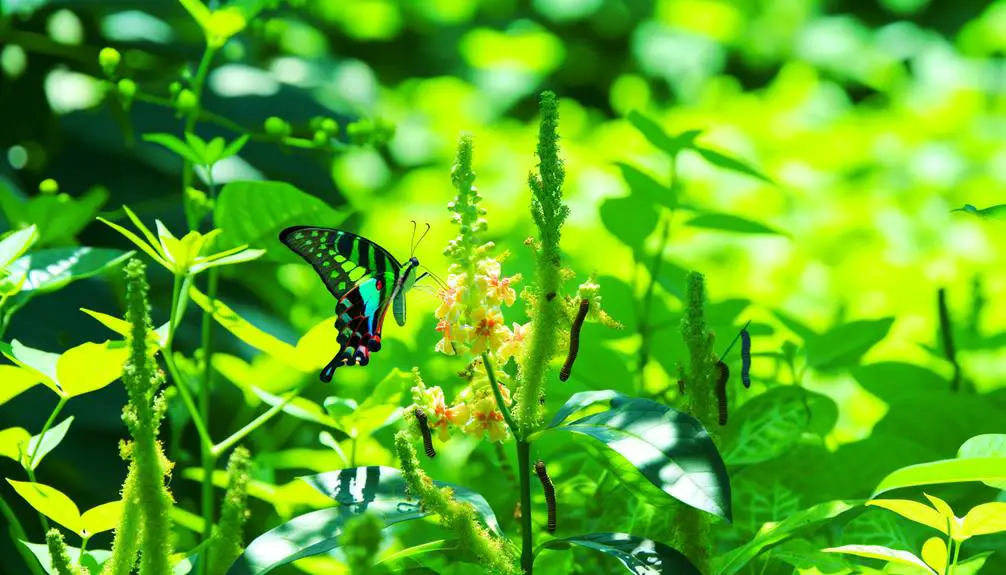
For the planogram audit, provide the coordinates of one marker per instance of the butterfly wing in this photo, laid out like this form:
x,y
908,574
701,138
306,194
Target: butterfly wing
x,y
399,307
358,272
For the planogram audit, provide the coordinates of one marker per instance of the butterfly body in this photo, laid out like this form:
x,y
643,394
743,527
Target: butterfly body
x,y
366,280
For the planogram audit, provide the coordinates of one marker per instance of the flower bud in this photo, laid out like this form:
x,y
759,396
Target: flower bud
x,y
109,59
48,186
186,101
321,138
329,125
277,127
127,89
175,87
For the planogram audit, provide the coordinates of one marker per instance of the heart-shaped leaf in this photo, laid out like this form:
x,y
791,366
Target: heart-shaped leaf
x,y
650,442
639,555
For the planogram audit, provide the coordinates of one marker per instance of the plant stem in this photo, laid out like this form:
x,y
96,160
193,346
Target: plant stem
x,y
41,436
254,424
527,541
645,329
179,294
208,456
17,535
953,564
498,395
947,339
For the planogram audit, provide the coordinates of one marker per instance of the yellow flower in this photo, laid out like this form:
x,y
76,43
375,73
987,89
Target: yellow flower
x,y
497,290
181,256
486,419
514,344
454,337
489,332
451,297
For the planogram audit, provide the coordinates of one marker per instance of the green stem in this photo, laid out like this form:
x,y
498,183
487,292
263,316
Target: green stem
x,y
527,540
83,548
254,424
953,564
498,395
178,296
208,456
17,535
45,428
723,357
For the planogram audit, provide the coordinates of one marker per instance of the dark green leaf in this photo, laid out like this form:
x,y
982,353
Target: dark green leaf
x,y
843,346
767,426
794,325
639,555
894,381
46,271
731,223
729,163
645,186
805,556
657,136
758,504
669,449
631,219
990,213
177,146
823,413
254,213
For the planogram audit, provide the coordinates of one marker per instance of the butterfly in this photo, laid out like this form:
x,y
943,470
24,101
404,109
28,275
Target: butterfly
x,y
364,278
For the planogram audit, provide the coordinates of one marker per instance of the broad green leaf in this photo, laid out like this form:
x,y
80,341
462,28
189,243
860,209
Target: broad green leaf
x,y
844,345
644,186
985,519
177,146
796,326
987,445
244,330
15,380
15,244
997,212
90,366
656,135
43,363
92,560
673,278
913,511
413,551
877,527
50,502
767,426
823,412
286,498
314,349
316,460
52,438
757,504
735,560
639,555
13,441
945,471
726,162
731,223
630,219
381,407
254,213
893,381
104,517
669,449
214,148
883,553
44,271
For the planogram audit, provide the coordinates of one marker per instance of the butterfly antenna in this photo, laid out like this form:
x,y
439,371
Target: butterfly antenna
x,y
412,242
434,276
424,234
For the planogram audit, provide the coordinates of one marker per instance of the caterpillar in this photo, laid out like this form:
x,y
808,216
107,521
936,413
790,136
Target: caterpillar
x,y
723,374
746,358
546,485
424,428
574,340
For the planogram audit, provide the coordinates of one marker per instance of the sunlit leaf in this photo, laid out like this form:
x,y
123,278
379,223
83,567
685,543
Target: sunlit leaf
x,y
15,380
972,565
104,517
985,519
731,223
15,244
92,560
631,219
45,443
645,440
300,407
952,522
987,445
13,441
90,366
945,471
767,426
637,554
730,163
844,345
914,511
883,553
233,148
50,502
315,348
44,271
157,337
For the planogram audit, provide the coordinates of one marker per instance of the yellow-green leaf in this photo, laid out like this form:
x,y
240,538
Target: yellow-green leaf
x,y
12,442
884,553
948,517
985,519
14,380
90,366
245,331
314,349
45,442
42,363
15,244
200,13
914,511
50,502
157,337
223,24
104,517
934,553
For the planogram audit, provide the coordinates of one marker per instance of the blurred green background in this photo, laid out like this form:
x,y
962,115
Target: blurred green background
x,y
873,118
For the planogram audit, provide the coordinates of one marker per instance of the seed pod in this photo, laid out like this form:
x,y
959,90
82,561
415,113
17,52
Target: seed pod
x,y
574,339
546,485
723,374
746,358
424,428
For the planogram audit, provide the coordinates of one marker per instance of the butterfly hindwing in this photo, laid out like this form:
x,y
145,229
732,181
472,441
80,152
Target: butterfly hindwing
x,y
358,272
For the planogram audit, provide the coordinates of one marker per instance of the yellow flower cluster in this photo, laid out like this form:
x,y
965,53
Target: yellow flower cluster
x,y
474,413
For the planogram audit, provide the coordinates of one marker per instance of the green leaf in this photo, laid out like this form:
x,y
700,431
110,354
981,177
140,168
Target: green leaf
x,y
673,278
894,381
735,560
177,146
802,330
844,345
104,517
758,504
233,148
214,149
731,223
806,557
42,363
823,413
92,560
381,408
631,219
90,366
669,449
767,426
986,445
883,553
730,163
945,471
300,407
913,511
15,244
639,555
61,217
198,146
52,438
645,186
379,491
254,213
985,519
44,271
13,441
16,379
997,212
50,502
876,527
656,135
